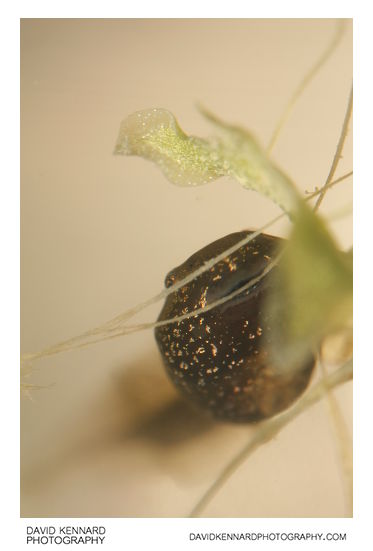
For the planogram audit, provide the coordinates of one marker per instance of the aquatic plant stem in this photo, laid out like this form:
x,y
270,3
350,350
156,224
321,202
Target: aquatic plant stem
x,y
340,29
269,429
338,152
343,441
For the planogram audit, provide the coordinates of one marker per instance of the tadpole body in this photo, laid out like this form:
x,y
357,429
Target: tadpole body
x,y
220,359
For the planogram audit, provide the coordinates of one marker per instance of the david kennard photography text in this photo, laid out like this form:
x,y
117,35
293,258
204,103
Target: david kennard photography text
x,y
65,534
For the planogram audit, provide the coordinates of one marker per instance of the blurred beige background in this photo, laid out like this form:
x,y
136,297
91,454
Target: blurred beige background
x,y
109,436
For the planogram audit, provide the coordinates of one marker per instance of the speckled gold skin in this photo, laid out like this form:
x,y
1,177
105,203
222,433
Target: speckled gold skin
x,y
219,358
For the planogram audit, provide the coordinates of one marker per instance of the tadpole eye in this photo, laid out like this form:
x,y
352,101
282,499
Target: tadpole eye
x,y
170,280
233,286
219,359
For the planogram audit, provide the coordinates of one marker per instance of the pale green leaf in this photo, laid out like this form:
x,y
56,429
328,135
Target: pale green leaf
x,y
312,293
251,166
155,135
187,160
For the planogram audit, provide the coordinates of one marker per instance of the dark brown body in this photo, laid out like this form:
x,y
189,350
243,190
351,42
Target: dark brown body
x,y
219,358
